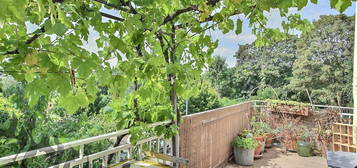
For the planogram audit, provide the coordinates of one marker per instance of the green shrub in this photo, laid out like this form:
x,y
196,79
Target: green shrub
x,y
207,99
225,101
265,93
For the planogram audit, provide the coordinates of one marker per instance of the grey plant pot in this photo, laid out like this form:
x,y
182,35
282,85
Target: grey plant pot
x,y
244,157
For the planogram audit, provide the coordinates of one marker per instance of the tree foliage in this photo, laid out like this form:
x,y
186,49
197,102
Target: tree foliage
x,y
221,77
317,66
24,128
256,68
324,67
207,99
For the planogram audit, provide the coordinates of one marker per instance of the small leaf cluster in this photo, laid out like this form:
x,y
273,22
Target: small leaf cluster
x,y
244,142
259,128
286,102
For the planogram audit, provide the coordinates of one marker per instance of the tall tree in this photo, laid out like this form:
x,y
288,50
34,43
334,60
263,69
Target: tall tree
x,y
324,67
221,77
261,67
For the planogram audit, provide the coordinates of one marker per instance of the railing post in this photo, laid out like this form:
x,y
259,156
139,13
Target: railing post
x,y
105,161
165,150
117,158
90,164
149,145
158,145
165,147
129,153
81,154
139,152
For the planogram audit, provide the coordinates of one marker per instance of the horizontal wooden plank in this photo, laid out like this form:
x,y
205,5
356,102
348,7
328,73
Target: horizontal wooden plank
x,y
181,161
342,124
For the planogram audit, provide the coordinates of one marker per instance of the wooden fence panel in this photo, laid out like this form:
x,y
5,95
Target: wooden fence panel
x,y
205,138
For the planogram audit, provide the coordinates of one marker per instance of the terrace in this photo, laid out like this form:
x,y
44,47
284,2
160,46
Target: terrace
x,y
102,83
205,138
276,157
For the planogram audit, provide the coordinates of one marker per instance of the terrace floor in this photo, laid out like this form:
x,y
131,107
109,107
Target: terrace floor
x,y
276,158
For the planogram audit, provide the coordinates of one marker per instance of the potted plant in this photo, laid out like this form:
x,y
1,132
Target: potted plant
x,y
269,134
244,150
290,107
289,133
303,145
259,135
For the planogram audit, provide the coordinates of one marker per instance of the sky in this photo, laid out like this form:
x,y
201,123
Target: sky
x,y
229,43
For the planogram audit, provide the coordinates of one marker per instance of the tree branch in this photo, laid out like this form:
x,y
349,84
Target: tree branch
x,y
162,44
111,17
177,13
29,41
208,19
212,2
113,5
128,4
188,9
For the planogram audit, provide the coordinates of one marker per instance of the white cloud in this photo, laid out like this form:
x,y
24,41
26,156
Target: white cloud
x,y
91,44
223,51
274,18
241,38
226,53
231,37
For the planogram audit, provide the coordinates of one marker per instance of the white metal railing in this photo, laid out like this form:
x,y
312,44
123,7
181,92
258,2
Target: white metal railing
x,y
103,155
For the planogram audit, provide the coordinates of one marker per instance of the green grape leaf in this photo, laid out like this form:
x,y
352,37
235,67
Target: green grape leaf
x,y
92,88
239,27
72,102
342,5
58,29
16,8
29,76
63,18
333,3
301,3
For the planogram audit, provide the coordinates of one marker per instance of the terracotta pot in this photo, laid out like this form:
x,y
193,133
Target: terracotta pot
x,y
260,138
269,140
258,152
291,144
